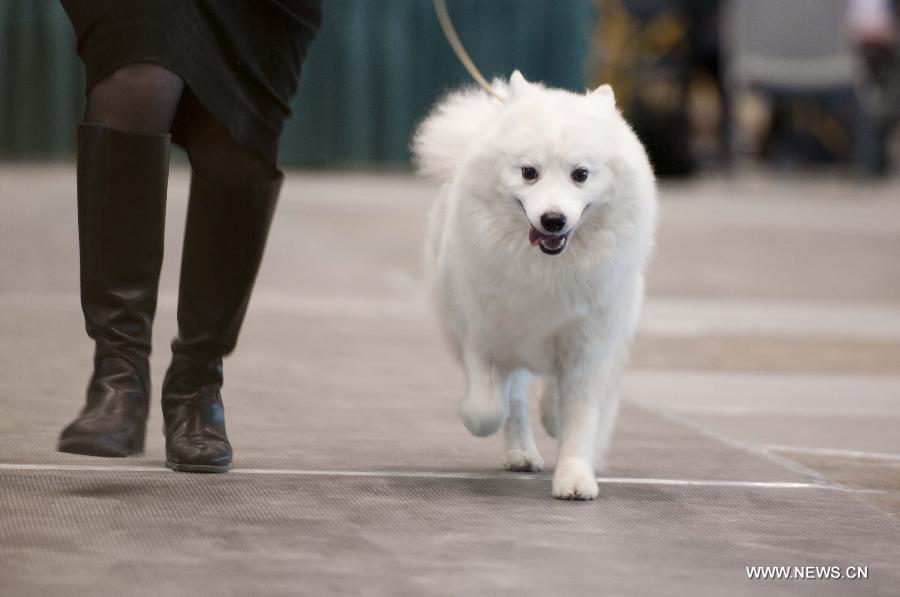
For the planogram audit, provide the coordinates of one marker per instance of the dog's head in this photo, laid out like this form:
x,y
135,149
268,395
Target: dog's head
x,y
562,164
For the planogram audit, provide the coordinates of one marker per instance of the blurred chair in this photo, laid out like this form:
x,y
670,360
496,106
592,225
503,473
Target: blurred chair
x,y
795,49
800,45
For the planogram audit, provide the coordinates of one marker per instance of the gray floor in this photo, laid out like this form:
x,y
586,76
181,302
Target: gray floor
x,y
760,424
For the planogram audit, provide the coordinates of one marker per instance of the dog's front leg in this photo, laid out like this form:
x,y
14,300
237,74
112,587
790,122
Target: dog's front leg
x,y
583,395
518,439
484,408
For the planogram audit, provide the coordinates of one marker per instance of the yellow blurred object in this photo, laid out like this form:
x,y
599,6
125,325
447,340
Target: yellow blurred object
x,y
626,44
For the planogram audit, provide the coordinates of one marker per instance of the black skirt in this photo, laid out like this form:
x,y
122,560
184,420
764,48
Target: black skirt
x,y
240,58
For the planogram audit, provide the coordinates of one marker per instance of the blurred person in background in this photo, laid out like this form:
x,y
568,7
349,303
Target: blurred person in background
x,y
873,27
216,78
658,54
667,60
796,62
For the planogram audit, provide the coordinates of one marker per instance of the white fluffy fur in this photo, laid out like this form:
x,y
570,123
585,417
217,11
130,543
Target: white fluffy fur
x,y
510,311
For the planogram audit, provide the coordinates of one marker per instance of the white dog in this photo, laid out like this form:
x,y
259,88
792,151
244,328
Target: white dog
x,y
535,260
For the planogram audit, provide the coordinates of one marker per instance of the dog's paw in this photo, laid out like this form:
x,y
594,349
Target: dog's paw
x,y
575,480
523,462
482,418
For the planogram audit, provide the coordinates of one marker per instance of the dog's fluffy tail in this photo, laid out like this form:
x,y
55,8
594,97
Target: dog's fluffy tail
x,y
442,140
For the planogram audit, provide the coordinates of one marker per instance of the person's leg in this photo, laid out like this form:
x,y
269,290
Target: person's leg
x,y
123,160
139,98
232,200
213,152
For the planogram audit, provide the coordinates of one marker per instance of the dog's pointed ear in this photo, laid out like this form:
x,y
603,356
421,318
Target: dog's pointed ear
x,y
604,93
518,86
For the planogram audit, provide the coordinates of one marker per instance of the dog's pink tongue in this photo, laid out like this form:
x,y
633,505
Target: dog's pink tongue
x,y
534,237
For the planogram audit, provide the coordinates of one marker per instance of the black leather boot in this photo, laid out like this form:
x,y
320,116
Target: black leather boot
x,y
226,231
122,179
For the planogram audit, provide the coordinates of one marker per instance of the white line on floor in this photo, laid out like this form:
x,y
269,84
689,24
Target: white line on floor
x,y
785,411
773,457
428,475
835,452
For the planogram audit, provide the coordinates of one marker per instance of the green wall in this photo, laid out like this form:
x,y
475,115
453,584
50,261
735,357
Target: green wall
x,y
41,80
373,71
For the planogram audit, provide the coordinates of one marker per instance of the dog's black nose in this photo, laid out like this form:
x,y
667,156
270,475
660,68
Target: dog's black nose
x,y
553,221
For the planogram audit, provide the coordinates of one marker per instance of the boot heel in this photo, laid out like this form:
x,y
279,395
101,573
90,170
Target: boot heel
x,y
136,446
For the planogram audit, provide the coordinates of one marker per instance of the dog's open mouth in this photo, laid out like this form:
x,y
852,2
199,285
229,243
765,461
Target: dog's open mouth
x,y
550,244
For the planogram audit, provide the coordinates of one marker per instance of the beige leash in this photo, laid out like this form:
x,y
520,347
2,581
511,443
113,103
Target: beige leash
x,y
440,7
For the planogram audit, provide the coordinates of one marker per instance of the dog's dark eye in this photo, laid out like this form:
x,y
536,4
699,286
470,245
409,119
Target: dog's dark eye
x,y
529,173
579,174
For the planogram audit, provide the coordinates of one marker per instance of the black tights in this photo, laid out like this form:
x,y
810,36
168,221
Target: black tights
x,y
145,98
